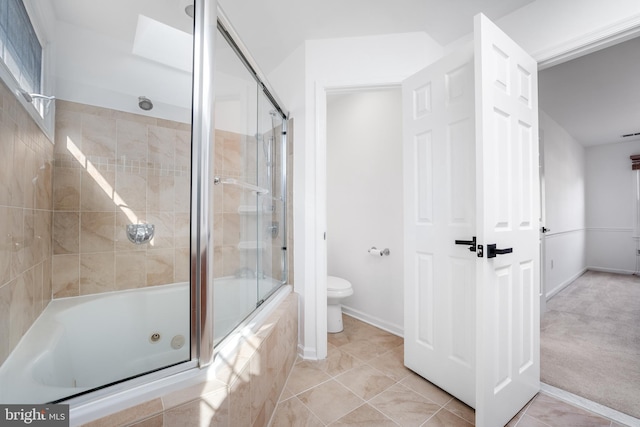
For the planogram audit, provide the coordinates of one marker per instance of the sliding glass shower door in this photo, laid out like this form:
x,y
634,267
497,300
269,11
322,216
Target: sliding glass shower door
x,y
249,201
270,224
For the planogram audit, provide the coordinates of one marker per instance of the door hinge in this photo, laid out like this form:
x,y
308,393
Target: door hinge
x,y
480,252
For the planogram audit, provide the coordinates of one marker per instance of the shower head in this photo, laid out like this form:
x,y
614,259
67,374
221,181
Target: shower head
x,y
145,103
189,10
29,97
188,7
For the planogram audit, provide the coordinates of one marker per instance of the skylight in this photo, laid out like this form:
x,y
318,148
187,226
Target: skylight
x,y
163,43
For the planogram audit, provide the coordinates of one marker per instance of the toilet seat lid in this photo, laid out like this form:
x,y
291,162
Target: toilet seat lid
x,y
337,283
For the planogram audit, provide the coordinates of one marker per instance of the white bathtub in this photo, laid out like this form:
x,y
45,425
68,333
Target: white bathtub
x,y
80,343
234,299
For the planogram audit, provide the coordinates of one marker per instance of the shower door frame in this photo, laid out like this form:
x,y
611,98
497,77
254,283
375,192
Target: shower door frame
x,y
228,32
208,16
202,152
201,231
209,19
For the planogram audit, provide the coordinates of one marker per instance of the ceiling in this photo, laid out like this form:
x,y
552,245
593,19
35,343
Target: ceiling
x,y
596,98
283,25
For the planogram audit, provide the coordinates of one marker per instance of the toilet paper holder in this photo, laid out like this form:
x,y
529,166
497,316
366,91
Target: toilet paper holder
x,y
379,252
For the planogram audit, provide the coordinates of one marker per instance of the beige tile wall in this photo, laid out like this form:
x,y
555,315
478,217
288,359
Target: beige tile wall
x,y
236,156
230,153
246,388
26,158
112,169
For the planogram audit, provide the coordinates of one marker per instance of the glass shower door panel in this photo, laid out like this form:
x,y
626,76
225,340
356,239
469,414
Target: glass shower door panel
x,y
112,268
235,193
270,205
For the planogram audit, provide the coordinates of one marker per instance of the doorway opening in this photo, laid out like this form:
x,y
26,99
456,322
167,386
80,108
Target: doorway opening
x,y
364,201
591,214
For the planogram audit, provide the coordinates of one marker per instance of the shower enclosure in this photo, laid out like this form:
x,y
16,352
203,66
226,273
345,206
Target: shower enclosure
x,y
138,238
249,190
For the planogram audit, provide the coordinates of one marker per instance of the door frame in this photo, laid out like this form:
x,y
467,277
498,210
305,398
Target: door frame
x,y
320,151
313,343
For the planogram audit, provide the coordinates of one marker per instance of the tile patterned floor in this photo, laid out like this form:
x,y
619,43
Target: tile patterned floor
x,y
363,382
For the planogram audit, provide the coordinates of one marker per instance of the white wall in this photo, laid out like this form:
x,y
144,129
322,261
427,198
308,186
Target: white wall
x,y
546,28
332,63
564,175
95,69
543,26
611,207
364,202
288,81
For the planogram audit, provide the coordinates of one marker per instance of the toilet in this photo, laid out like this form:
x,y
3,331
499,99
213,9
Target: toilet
x,y
337,289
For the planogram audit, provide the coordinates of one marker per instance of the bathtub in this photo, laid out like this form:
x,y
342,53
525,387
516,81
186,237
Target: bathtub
x,y
236,298
82,343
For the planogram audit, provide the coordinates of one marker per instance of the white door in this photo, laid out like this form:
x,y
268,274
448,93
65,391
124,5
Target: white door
x,y
508,304
470,168
439,194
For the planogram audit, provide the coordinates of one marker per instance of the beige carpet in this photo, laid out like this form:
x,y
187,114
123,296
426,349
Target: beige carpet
x,y
590,340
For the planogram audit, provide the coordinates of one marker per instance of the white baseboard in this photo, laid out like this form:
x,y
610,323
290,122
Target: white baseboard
x,y
589,405
610,270
566,283
307,353
374,321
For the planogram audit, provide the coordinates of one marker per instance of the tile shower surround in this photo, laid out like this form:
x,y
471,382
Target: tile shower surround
x,y
112,169
26,157
236,156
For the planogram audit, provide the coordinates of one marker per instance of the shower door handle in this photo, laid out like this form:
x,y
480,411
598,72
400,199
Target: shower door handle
x,y
471,242
492,251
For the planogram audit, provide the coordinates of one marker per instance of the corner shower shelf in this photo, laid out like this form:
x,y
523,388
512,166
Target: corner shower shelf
x,y
249,245
244,185
250,210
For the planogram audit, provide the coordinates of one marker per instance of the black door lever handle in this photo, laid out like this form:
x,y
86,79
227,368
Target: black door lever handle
x,y
492,251
471,242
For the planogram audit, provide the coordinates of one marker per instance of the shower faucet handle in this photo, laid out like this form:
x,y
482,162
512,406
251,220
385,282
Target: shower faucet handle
x,y
140,233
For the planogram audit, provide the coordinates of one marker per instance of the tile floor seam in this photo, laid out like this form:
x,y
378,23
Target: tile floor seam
x,y
372,407
311,411
313,386
432,415
384,415
373,397
354,392
537,420
458,416
524,412
320,418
